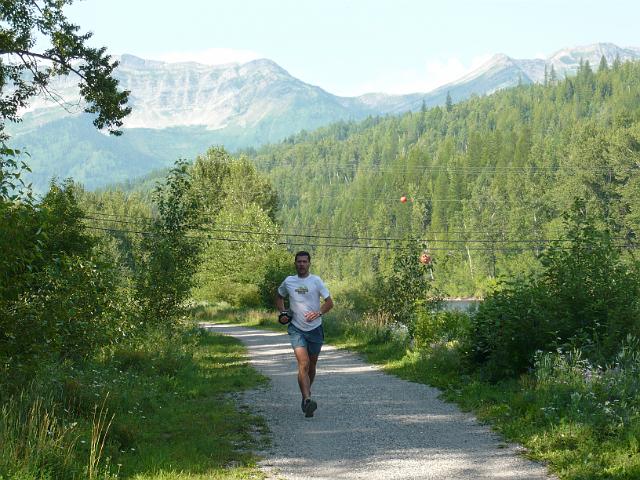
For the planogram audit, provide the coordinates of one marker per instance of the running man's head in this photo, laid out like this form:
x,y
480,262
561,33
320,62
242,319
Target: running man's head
x,y
302,262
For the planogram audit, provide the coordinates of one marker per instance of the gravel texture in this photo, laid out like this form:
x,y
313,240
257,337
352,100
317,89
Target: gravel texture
x,y
369,425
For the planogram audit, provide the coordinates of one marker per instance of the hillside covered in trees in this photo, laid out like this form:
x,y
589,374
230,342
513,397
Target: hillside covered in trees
x,y
487,180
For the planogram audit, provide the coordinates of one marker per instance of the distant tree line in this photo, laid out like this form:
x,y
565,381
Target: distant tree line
x,y
487,179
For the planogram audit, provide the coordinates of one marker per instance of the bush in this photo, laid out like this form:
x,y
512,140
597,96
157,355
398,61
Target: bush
x,y
361,295
61,290
510,325
406,290
435,327
279,265
70,312
586,298
237,294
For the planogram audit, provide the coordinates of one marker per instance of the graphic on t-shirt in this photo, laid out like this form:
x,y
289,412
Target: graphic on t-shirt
x,y
302,289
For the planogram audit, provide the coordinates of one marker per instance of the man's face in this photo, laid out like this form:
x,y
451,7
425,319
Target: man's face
x,y
302,265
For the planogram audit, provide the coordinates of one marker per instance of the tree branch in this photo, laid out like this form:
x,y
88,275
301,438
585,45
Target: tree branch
x,y
56,97
22,53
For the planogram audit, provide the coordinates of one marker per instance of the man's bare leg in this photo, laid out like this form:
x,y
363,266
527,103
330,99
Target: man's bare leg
x,y
304,366
313,360
306,374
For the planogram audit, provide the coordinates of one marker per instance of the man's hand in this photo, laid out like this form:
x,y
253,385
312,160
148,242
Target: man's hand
x,y
284,317
311,316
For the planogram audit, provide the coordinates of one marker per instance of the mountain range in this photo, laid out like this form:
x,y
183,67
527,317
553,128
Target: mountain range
x,y
180,109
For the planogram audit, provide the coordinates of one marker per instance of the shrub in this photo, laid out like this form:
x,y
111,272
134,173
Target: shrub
x,y
510,325
406,290
59,299
279,264
440,327
586,298
70,314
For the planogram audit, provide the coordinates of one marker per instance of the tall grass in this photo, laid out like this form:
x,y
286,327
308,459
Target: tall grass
x,y
158,407
99,429
607,398
36,442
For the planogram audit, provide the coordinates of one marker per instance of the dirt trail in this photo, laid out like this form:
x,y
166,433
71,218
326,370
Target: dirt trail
x,y
369,425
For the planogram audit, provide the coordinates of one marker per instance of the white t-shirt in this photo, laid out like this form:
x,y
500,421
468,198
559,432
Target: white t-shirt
x,y
304,296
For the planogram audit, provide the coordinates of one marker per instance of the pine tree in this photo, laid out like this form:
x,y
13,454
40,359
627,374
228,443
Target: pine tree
x,y
603,67
448,103
617,62
553,77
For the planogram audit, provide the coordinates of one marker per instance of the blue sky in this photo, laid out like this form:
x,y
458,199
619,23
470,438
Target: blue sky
x,y
350,47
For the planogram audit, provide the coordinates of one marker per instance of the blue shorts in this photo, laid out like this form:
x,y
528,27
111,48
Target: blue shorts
x,y
311,340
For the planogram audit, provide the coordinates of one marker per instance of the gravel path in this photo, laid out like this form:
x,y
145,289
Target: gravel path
x,y
369,425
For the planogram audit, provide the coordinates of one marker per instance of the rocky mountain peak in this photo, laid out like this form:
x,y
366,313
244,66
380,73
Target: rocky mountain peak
x,y
241,95
567,60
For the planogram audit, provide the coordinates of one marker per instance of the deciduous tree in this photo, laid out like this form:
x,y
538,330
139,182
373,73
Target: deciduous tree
x,y
38,43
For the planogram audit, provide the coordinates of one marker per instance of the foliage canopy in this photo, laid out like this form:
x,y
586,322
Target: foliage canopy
x,y
30,67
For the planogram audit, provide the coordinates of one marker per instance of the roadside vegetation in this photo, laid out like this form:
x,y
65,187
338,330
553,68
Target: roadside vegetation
x,y
102,374
166,409
550,361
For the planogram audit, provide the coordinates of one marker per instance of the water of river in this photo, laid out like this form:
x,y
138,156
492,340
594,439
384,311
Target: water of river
x,y
461,305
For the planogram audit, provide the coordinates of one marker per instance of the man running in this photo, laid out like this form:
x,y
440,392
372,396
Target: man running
x,y
305,330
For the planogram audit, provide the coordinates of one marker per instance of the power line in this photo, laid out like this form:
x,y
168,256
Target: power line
x,y
146,220
315,245
411,198
343,237
352,237
332,245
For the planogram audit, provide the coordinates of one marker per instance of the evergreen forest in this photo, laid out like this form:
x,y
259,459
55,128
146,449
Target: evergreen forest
x,y
486,180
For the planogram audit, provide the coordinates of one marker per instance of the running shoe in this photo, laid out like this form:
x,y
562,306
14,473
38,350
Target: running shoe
x,y
310,406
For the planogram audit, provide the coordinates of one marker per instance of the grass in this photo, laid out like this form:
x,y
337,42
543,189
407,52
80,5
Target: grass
x,y
163,410
575,444
195,430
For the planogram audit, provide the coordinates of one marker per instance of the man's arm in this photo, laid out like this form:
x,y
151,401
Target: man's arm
x,y
324,308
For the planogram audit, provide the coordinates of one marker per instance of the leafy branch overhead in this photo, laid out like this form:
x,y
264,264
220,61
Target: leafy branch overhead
x,y
26,68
